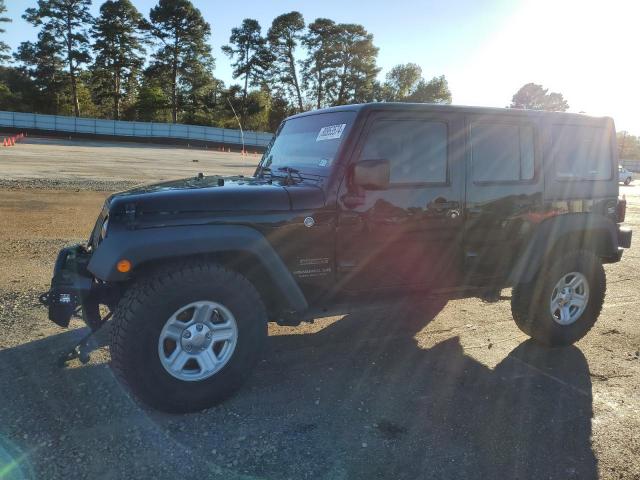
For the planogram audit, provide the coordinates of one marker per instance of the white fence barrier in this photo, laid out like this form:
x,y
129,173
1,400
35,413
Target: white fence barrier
x,y
119,128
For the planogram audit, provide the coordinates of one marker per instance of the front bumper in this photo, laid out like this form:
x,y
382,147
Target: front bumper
x,y
73,288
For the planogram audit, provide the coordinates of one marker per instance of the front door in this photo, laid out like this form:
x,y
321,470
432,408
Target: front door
x,y
408,235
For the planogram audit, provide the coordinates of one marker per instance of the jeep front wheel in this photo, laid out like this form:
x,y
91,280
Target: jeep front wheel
x,y
186,337
564,302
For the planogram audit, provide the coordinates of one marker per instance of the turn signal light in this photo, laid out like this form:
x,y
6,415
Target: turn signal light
x,y
123,266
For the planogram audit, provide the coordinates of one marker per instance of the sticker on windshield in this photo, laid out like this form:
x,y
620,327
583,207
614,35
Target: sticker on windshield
x,y
323,162
331,132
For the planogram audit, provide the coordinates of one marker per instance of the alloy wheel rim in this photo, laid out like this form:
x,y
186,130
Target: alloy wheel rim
x,y
198,340
569,298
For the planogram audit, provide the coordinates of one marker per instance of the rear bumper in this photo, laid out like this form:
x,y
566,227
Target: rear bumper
x,y
624,241
624,237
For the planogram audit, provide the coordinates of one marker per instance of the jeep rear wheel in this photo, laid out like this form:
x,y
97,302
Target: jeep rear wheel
x,y
186,337
564,302
627,181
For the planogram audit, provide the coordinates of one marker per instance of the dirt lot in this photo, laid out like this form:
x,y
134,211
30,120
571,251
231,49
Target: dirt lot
x,y
100,161
451,391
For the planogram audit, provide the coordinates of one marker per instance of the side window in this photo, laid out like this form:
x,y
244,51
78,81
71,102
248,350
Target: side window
x,y
502,152
416,150
582,152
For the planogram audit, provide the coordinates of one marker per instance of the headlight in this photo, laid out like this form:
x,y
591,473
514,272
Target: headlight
x,y
103,229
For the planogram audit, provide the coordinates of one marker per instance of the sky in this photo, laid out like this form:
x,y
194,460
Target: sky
x,y
588,50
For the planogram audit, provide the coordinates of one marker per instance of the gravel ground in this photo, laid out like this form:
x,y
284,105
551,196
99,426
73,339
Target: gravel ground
x,y
429,391
95,163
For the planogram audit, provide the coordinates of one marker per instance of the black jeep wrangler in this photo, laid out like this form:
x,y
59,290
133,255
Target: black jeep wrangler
x,y
349,206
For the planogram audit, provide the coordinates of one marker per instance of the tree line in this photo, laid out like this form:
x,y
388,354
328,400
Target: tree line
x,y
124,65
628,146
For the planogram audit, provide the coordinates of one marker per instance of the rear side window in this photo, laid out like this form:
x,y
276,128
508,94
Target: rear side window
x,y
502,152
582,153
416,150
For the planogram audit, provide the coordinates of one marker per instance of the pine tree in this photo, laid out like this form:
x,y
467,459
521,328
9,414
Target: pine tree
x,y
4,48
253,59
341,63
119,51
357,70
284,36
183,35
64,24
44,64
319,69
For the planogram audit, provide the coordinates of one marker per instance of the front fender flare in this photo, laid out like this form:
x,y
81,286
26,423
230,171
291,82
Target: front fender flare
x,y
141,246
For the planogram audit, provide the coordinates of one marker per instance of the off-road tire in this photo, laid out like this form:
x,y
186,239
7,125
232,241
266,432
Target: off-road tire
x,y
627,181
530,301
142,313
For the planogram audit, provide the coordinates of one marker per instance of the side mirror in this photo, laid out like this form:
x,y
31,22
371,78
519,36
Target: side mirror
x,y
372,174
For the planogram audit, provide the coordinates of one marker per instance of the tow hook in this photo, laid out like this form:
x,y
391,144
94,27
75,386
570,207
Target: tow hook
x,y
84,347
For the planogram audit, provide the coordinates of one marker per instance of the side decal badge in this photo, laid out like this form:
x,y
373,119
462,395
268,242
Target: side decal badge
x,y
309,222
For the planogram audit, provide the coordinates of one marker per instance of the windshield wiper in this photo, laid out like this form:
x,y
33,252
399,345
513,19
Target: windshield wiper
x,y
262,170
290,172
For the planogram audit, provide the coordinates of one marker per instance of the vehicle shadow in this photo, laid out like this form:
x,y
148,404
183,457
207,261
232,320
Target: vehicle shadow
x,y
438,413
357,399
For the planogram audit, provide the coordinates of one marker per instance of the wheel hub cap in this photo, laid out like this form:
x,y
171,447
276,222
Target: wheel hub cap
x,y
569,298
196,337
198,340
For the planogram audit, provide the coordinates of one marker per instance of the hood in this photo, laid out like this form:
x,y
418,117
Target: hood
x,y
216,193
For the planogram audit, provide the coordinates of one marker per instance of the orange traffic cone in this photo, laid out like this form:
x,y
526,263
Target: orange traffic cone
x,y
5,143
13,141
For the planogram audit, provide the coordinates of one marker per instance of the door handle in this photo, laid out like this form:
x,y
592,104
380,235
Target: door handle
x,y
442,203
352,201
474,211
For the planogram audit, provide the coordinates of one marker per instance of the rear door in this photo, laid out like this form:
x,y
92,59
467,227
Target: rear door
x,y
503,190
408,235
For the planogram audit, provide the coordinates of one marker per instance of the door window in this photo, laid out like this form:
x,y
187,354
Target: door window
x,y
502,152
582,152
416,149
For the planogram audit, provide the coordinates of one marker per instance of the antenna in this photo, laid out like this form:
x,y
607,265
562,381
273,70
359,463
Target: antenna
x,y
239,124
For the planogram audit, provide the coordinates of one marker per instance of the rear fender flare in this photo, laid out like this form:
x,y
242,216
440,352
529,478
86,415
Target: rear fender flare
x,y
592,231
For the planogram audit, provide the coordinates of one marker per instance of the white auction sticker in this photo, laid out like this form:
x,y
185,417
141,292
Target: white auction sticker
x,y
331,132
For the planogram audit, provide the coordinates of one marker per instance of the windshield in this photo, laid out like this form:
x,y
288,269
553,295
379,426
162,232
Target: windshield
x,y
309,143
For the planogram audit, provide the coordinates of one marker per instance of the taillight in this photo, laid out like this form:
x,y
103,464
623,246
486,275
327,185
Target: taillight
x,y
621,209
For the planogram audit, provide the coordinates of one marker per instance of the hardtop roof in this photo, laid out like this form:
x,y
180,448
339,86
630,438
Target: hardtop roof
x,y
435,107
